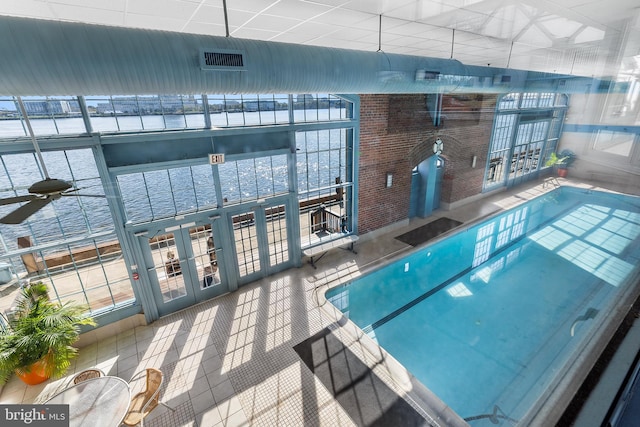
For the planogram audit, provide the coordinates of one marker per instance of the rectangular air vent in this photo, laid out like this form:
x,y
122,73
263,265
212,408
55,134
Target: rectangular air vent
x,y
222,60
427,75
501,79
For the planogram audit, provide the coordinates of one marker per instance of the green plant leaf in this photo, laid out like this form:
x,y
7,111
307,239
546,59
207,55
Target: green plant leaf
x,y
40,329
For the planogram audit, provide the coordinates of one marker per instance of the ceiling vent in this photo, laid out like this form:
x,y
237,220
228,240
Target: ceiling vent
x,y
427,75
222,60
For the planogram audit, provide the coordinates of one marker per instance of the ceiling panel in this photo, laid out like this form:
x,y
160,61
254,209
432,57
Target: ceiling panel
x,y
153,22
214,29
89,14
344,18
298,10
176,10
254,6
271,23
543,32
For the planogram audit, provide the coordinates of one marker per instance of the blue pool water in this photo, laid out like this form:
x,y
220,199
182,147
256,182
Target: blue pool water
x,y
488,317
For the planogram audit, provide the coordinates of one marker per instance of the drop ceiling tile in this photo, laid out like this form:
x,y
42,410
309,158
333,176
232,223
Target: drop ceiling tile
x,y
408,29
237,18
384,7
253,33
250,5
205,16
89,15
114,5
355,34
307,31
161,8
434,33
26,8
153,22
420,11
397,41
298,9
347,44
210,29
345,18
271,23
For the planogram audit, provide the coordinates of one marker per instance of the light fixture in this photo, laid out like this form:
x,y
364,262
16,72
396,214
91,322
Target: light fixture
x,y
389,179
437,147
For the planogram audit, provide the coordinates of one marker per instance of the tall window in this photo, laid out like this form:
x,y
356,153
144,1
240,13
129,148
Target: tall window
x,y
49,115
324,184
145,112
253,179
248,110
70,244
166,193
525,133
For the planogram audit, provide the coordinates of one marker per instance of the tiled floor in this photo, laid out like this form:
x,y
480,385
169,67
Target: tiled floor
x,y
231,361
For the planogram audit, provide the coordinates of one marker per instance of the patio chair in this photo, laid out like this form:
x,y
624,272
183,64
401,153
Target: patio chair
x,y
146,401
87,374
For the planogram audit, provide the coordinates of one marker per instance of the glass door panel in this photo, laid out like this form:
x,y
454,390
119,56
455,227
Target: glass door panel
x,y
530,139
182,265
261,241
168,270
276,219
246,243
205,257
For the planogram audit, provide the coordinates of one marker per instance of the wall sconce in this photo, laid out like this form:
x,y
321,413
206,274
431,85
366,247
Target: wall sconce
x,y
474,159
389,179
437,147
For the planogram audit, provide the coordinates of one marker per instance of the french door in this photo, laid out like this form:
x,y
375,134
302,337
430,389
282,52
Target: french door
x,y
260,241
528,150
182,264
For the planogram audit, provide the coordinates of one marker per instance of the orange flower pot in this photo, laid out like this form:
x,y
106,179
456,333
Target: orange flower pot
x,y
35,375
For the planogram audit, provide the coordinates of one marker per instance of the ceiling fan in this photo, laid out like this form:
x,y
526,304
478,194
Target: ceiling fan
x,y
42,192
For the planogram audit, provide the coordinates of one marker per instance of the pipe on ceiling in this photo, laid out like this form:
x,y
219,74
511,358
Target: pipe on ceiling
x,y
42,57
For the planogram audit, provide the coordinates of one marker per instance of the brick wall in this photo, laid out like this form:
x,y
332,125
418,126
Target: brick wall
x,y
463,140
390,127
397,133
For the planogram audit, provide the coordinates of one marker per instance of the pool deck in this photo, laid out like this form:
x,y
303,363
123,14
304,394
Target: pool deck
x,y
272,353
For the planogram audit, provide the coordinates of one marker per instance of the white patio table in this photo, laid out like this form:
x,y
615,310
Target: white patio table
x,y
96,402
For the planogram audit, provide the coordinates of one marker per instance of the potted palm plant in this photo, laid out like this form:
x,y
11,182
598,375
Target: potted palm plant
x,y
36,338
561,162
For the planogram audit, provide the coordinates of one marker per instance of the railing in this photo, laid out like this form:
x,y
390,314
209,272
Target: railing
x,y
324,220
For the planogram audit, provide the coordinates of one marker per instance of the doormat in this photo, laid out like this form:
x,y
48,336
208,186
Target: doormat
x,y
361,393
428,231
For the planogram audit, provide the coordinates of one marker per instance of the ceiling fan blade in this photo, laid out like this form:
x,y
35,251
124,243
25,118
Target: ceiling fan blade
x,y
25,211
17,199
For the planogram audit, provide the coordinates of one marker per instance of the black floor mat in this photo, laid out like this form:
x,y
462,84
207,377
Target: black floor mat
x,y
428,231
365,397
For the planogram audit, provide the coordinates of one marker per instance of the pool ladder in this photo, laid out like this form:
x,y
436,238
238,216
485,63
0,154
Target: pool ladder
x,y
589,314
493,417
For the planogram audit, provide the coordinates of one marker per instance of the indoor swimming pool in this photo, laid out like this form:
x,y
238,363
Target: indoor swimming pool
x,y
494,315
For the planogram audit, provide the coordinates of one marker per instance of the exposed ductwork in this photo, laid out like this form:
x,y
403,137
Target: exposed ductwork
x,y
61,58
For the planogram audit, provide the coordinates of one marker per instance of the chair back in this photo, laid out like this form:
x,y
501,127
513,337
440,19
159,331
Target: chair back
x,y
147,400
87,374
154,382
